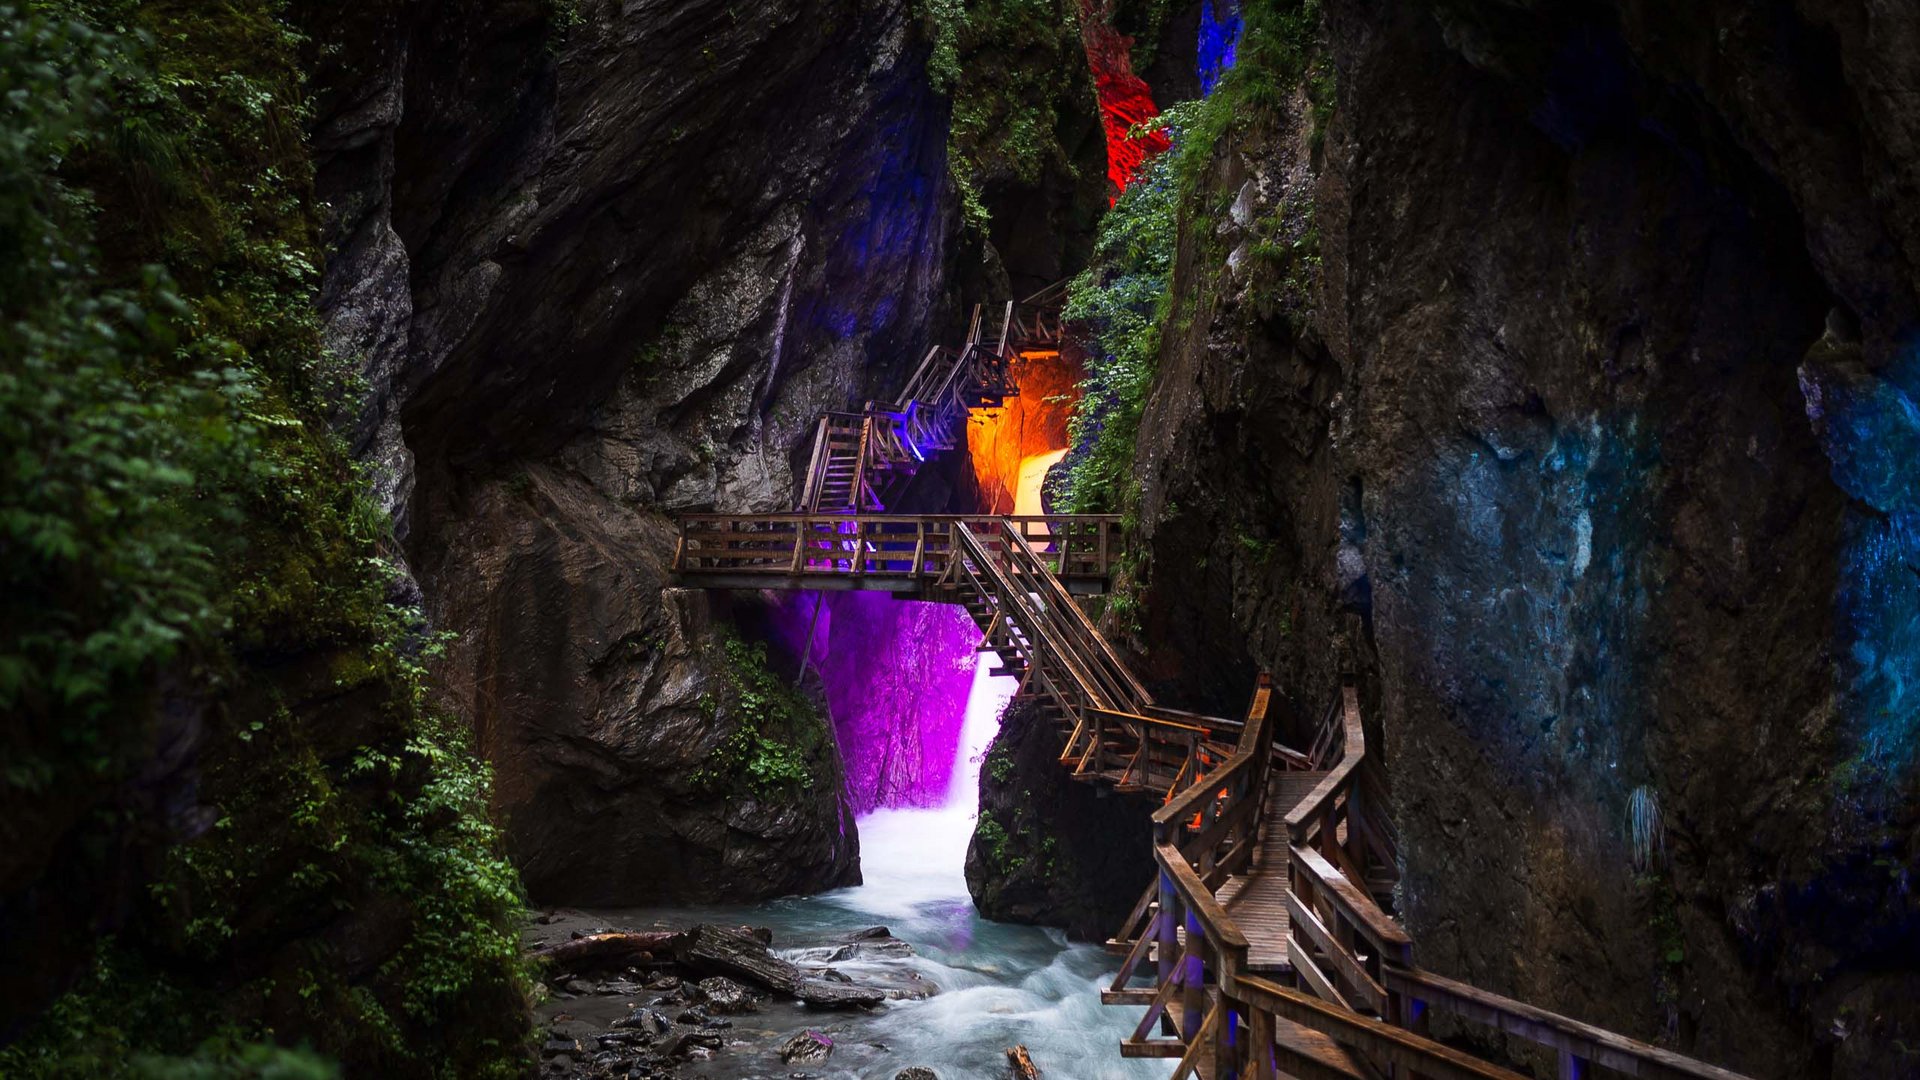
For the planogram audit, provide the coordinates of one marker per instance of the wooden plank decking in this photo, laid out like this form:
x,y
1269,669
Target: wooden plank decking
x,y
1257,900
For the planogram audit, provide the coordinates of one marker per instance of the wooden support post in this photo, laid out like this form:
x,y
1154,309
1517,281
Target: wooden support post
x,y
1145,757
1165,958
1193,980
1572,1066
1227,1034
802,530
1260,1045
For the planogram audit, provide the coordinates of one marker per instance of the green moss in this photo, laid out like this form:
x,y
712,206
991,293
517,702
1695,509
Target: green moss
x,y
176,511
1278,50
1120,303
777,741
1124,302
1662,906
1014,69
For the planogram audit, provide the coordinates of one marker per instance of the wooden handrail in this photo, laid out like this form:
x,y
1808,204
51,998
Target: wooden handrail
x,y
1314,805
1387,937
1601,1047
1200,900
1377,1038
1023,551
1036,622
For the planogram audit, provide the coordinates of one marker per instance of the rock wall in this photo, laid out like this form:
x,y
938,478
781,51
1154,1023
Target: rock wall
x,y
1048,850
600,273
1560,386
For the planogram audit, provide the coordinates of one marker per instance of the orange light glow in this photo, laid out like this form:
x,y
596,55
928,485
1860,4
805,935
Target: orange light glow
x,y
1030,424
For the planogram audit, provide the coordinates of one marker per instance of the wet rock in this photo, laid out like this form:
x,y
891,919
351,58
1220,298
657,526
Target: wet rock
x,y
645,1020
1048,851
807,1047
664,981
917,1072
726,996
554,1047
728,952
682,1041
679,381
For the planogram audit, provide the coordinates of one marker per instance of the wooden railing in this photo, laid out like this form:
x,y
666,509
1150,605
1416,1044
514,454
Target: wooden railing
x,y
890,552
1200,838
895,438
1116,733
1358,1007
1351,1003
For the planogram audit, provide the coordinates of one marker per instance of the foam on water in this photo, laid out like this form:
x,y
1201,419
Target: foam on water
x,y
1000,984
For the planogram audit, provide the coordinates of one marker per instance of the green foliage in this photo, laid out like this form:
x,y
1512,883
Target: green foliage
x,y
778,738
114,483
175,511
1124,300
1121,303
1144,21
1279,49
566,15
992,838
1000,763
118,995
1009,66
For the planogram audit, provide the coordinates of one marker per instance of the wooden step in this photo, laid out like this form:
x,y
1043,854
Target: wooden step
x,y
1152,1048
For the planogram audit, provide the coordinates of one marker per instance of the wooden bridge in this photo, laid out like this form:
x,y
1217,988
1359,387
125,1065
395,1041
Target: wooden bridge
x,y
1266,947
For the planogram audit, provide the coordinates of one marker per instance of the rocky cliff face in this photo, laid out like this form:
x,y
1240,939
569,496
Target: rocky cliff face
x,y
1048,850
601,273
1562,382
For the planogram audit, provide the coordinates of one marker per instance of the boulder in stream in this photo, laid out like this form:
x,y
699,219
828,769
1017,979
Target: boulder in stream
x,y
806,1047
714,949
725,996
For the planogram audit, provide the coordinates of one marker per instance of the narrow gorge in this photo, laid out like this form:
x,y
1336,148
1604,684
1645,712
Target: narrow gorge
x,y
959,538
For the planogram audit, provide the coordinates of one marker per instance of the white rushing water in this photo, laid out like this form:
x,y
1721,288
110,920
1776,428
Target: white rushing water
x,y
999,984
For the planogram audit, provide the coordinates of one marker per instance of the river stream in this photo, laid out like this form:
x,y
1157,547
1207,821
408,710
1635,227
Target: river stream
x,y
998,984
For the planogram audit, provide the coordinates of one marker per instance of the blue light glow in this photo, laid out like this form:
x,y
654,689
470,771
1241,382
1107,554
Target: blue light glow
x,y
1869,425
1219,41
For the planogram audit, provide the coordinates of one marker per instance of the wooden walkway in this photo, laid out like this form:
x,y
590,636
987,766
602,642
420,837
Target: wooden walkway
x,y
1256,901
1266,941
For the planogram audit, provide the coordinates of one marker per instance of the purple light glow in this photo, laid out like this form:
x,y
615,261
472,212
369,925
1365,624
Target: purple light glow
x,y
898,674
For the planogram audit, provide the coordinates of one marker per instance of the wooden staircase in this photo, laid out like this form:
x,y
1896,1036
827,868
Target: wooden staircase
x,y
863,461
837,480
